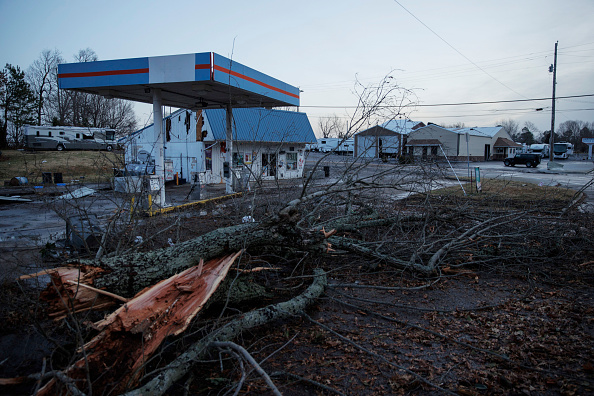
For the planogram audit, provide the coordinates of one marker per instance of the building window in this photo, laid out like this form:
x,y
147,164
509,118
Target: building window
x,y
49,134
37,133
237,159
291,161
208,159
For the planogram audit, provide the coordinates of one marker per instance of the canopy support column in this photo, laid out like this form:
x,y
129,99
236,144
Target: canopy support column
x,y
159,138
229,148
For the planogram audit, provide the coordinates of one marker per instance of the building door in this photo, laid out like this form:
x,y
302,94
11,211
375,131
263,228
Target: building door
x,y
487,152
268,164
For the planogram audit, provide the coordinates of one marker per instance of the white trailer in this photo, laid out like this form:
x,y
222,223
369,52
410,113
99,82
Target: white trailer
x,y
69,138
542,149
338,145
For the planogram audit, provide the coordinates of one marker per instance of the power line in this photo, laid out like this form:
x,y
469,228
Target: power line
x,y
455,49
455,104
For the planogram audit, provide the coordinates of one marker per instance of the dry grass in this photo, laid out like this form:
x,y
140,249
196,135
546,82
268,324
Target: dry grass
x,y
492,188
500,194
91,166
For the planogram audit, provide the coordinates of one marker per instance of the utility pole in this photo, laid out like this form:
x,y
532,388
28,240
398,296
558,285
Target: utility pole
x,y
552,139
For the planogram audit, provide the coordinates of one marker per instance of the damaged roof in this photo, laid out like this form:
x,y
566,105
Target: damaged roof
x,y
253,125
262,125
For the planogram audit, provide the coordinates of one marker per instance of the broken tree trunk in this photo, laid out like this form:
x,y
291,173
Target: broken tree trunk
x,y
70,291
130,273
130,335
182,364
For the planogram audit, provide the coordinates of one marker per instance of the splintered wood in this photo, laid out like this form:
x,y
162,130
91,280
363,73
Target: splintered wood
x,y
131,334
70,290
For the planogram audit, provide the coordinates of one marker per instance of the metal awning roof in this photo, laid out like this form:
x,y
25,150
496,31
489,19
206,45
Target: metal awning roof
x,y
190,81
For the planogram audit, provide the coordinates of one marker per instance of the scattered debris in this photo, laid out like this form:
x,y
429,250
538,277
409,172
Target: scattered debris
x,y
248,219
19,181
15,199
83,232
78,193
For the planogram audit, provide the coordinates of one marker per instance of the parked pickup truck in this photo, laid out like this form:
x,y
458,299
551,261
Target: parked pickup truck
x,y
530,160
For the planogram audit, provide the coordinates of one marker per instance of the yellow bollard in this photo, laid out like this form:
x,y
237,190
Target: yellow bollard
x,y
150,204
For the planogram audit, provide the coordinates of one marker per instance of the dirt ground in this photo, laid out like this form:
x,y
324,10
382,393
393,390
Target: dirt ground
x,y
512,328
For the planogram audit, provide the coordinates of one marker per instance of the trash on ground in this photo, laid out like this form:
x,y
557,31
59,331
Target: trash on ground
x,y
78,193
19,181
15,199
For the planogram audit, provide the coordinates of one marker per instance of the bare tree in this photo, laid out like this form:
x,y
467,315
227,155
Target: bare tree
x,y
456,125
41,77
332,127
511,127
81,109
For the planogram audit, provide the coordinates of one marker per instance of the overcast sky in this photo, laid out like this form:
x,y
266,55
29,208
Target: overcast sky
x,y
453,51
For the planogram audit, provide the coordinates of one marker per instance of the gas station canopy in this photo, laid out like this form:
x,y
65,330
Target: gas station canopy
x,y
190,81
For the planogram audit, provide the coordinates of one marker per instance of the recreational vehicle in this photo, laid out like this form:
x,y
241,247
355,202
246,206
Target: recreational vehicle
x,y
338,145
562,150
69,138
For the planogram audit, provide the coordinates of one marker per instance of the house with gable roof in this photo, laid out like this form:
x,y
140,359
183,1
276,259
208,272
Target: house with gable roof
x,y
267,144
477,143
385,140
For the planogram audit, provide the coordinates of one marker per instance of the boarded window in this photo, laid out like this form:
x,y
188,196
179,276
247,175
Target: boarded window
x,y
168,129
199,125
208,159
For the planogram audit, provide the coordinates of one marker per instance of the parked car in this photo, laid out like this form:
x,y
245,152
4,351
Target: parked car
x,y
530,160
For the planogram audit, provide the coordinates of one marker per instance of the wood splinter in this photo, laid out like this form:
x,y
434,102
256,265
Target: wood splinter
x,y
327,234
99,291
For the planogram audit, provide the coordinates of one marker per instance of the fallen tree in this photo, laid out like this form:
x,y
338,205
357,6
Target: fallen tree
x,y
359,230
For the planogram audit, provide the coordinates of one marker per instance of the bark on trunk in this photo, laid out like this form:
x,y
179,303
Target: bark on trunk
x,y
128,274
180,366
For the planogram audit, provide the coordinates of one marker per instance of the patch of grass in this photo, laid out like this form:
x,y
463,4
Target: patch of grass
x,y
511,189
91,166
506,194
